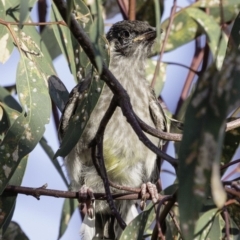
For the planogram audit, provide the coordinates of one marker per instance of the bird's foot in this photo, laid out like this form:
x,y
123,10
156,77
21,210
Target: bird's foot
x,y
86,199
152,190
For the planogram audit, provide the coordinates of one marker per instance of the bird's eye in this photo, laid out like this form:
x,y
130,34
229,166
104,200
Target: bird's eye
x,y
124,34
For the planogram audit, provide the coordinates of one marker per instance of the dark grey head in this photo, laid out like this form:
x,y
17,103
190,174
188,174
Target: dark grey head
x,y
127,36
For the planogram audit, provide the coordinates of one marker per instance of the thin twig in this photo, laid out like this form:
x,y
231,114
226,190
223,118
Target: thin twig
x,y
230,164
182,65
197,59
158,133
164,214
157,69
227,226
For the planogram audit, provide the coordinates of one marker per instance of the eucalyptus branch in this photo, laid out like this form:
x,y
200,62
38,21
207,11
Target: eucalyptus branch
x,y
12,190
227,226
117,89
157,69
171,200
132,10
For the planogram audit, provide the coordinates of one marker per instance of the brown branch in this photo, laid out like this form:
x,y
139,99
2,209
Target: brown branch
x,y
12,190
157,69
158,133
227,226
230,164
176,137
182,65
171,200
117,89
98,161
197,59
132,10
232,192
42,13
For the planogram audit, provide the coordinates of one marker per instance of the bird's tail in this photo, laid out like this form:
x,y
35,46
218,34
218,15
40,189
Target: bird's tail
x,y
104,225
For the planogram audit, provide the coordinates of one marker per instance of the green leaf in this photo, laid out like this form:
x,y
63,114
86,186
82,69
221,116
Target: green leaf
x,y
6,45
150,11
136,228
234,230
204,224
77,60
64,40
215,232
29,127
235,36
96,31
24,11
82,114
14,232
213,32
58,92
216,95
50,41
85,107
48,150
234,212
7,201
9,100
184,28
160,78
68,209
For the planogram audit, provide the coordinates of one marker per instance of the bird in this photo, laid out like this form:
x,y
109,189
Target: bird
x,y
128,161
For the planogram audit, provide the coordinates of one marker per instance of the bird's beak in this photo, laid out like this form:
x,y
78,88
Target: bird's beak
x,y
148,36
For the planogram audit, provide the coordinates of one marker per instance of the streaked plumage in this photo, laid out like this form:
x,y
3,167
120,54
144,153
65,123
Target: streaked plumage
x,y
128,161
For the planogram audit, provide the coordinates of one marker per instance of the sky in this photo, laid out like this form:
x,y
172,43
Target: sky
x,y
40,219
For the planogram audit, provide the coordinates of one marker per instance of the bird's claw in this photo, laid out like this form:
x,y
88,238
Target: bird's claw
x,y
87,200
152,190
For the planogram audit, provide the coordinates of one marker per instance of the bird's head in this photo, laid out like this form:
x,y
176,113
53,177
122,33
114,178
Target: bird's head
x,y
128,38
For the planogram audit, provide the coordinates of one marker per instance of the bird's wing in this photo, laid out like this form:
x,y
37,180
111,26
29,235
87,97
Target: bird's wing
x,y
75,98
160,122
157,113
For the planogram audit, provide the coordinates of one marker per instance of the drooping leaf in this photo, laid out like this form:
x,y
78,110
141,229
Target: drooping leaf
x,y
29,127
96,31
213,32
9,100
14,232
49,151
204,224
135,229
58,92
85,107
50,41
6,45
150,11
8,201
215,96
160,78
68,209
216,230
184,28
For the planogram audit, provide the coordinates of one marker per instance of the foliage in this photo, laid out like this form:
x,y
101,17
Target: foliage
x,y
206,209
